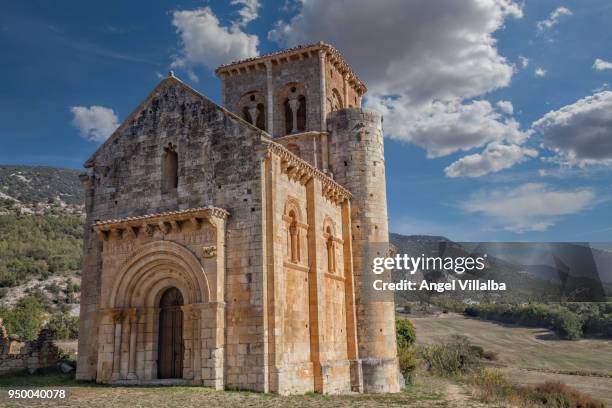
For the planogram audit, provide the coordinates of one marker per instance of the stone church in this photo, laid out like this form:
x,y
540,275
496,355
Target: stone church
x,y
225,245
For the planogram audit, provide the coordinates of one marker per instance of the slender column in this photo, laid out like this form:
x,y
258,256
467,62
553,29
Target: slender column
x,y
270,98
195,316
253,115
322,90
349,300
133,330
294,105
345,85
313,190
117,321
324,153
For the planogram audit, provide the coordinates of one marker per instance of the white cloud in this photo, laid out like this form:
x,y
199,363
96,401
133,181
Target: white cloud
x,y
95,123
207,43
248,12
506,107
601,65
494,158
423,85
529,207
524,61
443,128
553,19
580,133
540,72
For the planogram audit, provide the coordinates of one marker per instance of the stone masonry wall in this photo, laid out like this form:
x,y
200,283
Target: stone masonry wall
x,y
305,72
17,357
306,301
217,166
358,163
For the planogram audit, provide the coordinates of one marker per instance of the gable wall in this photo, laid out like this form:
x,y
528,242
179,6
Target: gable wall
x,y
218,166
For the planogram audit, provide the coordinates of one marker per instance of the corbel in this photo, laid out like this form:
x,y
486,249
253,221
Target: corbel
x,y
163,227
195,222
175,225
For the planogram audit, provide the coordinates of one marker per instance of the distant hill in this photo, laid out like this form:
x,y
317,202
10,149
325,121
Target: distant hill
x,y
39,190
41,228
525,282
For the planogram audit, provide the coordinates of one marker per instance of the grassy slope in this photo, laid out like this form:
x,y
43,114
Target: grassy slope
x,y
522,350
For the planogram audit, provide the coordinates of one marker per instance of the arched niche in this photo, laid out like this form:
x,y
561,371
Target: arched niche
x,y
252,108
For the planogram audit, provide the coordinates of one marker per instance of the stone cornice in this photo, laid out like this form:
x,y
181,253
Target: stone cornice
x,y
165,221
302,171
309,50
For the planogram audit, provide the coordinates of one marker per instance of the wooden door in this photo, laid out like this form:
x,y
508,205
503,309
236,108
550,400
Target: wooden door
x,y
170,346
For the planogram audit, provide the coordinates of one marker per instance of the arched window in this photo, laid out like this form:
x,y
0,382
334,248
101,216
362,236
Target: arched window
x,y
294,109
252,109
169,168
294,238
331,251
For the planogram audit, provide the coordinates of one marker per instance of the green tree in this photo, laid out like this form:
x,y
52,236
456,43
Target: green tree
x,y
25,319
64,326
405,332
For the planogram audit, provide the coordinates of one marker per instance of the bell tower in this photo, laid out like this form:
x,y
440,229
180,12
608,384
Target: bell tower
x,y
311,100
289,94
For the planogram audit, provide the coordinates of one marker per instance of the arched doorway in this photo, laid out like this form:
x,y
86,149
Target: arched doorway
x,y
170,346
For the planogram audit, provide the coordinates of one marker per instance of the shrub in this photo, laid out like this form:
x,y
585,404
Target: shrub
x,y
492,386
558,395
407,362
566,323
64,326
25,319
406,351
490,355
451,358
405,332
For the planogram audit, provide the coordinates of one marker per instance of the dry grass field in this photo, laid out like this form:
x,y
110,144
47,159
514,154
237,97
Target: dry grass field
x,y
530,355
428,393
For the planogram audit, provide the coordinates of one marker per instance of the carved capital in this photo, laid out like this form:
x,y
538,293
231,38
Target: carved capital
x,y
192,312
117,315
209,251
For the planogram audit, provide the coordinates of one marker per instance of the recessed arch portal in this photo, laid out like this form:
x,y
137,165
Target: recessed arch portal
x,y
155,267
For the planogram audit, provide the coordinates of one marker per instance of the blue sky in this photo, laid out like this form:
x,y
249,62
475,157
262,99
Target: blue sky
x,y
459,163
